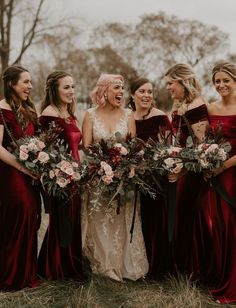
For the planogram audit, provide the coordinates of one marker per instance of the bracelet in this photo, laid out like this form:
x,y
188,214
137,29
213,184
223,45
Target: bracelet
x,y
21,169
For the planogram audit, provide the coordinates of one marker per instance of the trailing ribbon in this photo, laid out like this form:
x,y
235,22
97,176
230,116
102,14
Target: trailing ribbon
x,y
221,191
134,214
171,209
64,223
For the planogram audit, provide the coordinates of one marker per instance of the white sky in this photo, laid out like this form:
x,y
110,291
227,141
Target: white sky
x,y
221,13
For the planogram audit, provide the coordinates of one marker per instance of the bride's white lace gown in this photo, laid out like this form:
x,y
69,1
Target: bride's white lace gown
x,y
106,234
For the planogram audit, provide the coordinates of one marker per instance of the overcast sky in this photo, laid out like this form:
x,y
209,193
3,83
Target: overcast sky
x,y
221,13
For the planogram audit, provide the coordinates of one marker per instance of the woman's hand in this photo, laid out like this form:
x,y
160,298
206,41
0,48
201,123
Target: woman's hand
x,y
218,171
27,172
173,177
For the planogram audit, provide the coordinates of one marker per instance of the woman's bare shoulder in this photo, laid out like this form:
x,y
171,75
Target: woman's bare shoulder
x,y
49,111
197,102
4,105
157,112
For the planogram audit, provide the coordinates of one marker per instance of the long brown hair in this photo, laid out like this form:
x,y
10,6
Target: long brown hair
x,y
134,86
51,92
24,110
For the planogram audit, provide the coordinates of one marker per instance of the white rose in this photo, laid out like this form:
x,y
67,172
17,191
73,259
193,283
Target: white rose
x,y
43,157
123,151
68,171
76,176
62,182
41,144
75,164
32,146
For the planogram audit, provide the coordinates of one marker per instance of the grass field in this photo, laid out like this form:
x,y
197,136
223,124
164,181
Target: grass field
x,y
101,292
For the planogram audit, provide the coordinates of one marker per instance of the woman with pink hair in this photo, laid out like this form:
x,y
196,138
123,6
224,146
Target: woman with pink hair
x,y
107,234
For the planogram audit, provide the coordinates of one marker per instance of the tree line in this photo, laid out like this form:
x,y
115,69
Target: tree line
x,y
147,48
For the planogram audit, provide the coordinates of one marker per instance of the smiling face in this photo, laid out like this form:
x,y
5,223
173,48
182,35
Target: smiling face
x,y
23,86
175,89
225,85
115,93
143,96
66,90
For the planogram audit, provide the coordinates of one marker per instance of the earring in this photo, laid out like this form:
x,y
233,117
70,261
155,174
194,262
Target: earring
x,y
105,96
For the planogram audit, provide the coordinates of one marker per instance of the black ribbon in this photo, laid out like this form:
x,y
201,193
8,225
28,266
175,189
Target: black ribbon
x,y
134,214
221,191
64,223
46,199
171,209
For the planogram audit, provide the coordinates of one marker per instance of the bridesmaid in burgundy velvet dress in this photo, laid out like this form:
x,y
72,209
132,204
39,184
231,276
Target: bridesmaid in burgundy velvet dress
x,y
215,225
61,257
151,123
189,118
18,198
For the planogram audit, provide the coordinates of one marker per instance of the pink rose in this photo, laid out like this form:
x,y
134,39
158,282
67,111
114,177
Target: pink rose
x,y
43,157
62,182
23,155
107,179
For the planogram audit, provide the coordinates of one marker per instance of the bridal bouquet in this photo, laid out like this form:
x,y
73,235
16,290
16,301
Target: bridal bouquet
x,y
114,168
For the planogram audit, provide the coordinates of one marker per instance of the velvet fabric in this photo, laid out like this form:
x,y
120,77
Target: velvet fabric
x,y
18,217
55,261
154,211
214,255
187,190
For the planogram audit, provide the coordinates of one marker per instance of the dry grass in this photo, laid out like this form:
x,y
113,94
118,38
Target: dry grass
x,y
101,292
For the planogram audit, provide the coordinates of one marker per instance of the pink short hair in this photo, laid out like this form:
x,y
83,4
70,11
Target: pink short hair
x,y
103,83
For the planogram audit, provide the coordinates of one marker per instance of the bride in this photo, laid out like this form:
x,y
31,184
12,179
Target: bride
x,y
106,234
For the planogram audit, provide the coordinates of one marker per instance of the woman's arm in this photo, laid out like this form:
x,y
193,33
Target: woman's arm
x,y
131,125
87,130
10,159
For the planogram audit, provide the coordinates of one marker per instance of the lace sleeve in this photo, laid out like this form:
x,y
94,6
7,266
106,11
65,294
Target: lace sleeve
x,y
91,112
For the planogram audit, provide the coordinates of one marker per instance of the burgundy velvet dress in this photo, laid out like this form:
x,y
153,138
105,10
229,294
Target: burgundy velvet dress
x,y
153,211
18,217
55,261
214,261
187,191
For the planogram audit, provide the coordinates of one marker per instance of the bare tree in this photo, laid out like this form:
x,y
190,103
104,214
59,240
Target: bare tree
x,y
158,41
31,28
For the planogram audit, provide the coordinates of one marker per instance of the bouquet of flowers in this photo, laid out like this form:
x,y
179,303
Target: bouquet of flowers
x,y
114,168
63,174
207,155
33,152
163,158
47,157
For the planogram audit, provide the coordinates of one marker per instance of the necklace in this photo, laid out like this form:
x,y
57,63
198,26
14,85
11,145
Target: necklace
x,y
66,118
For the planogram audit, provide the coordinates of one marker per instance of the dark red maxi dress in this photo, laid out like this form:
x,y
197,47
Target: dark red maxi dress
x,y
55,261
153,211
187,191
18,217
214,261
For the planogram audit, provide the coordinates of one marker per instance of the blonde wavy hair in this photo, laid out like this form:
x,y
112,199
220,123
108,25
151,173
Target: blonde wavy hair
x,y
184,74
